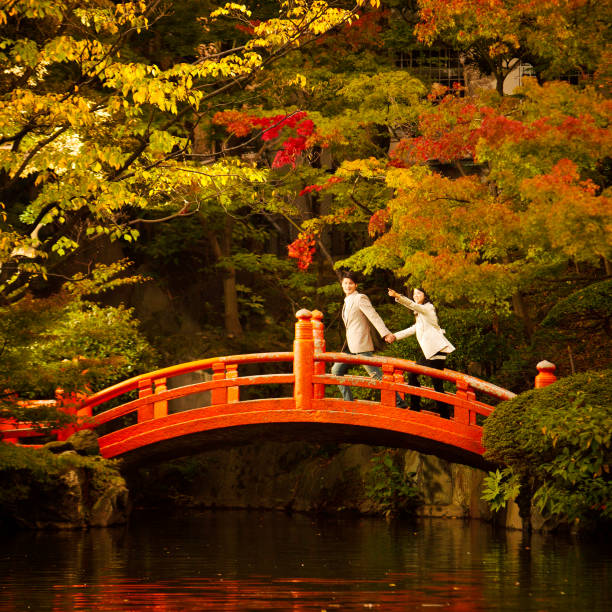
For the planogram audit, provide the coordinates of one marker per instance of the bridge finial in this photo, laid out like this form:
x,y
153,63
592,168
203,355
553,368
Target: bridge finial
x,y
303,359
303,326
546,374
318,333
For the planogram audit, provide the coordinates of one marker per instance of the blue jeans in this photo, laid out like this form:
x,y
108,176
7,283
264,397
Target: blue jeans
x,y
340,369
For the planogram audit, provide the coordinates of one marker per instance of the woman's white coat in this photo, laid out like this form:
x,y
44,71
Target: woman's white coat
x,y
429,335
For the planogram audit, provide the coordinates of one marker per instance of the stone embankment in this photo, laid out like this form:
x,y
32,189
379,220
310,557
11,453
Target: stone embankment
x,y
65,485
304,477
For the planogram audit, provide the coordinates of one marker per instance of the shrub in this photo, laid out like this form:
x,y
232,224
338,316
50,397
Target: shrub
x,y
556,444
392,489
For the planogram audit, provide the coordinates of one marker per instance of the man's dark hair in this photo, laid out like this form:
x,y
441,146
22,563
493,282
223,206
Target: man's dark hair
x,y
350,275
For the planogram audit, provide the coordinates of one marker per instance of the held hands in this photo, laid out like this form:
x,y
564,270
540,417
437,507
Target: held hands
x,y
390,338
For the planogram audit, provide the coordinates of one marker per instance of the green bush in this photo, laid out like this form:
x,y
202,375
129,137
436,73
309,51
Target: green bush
x,y
69,343
393,490
556,444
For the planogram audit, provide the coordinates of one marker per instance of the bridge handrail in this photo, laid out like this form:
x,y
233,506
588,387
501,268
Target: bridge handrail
x,y
476,406
411,366
177,392
177,370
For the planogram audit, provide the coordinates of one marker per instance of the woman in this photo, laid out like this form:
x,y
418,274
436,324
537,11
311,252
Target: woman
x,y
431,338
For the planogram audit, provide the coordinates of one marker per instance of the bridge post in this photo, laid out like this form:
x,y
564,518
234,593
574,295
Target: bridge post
x,y
303,360
387,398
318,333
233,393
218,395
398,377
160,409
145,389
546,374
463,414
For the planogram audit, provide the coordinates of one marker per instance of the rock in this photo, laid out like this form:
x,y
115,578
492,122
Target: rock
x,y
512,518
85,442
111,506
65,491
58,446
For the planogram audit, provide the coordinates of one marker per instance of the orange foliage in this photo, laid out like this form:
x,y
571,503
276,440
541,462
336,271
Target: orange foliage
x,y
302,249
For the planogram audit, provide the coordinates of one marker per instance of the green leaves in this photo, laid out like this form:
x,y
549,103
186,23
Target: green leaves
x,y
392,489
500,487
560,439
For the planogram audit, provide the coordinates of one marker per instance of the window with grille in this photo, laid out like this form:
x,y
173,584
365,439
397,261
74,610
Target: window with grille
x,y
434,65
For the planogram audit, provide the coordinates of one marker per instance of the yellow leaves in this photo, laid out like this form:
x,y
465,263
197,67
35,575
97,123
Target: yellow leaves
x,y
68,49
231,8
25,52
301,19
229,66
370,168
132,14
406,178
255,43
299,80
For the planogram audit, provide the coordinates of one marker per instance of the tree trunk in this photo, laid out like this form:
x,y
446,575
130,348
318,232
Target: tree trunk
x,y
222,250
520,309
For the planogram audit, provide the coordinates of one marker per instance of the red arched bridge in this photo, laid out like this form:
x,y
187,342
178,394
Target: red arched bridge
x,y
143,429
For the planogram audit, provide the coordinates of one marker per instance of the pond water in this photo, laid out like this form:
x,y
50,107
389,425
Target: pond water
x,y
257,560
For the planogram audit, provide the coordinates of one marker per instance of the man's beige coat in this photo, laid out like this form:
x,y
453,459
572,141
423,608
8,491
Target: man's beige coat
x,y
357,314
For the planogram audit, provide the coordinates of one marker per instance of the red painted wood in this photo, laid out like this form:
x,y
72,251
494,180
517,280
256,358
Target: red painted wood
x,y
308,405
546,374
303,360
145,390
331,411
160,407
318,333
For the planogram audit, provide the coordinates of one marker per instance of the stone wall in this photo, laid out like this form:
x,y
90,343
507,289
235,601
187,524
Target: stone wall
x,y
303,477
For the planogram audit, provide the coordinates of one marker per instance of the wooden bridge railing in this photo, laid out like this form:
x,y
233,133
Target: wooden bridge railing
x,y
309,380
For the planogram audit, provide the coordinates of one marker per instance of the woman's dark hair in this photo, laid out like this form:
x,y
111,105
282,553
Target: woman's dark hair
x,y
427,298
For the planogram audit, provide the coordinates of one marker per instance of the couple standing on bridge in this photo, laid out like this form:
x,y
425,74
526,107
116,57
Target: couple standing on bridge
x,y
359,315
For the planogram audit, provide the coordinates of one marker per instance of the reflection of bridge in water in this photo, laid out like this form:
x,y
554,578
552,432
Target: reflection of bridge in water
x,y
143,429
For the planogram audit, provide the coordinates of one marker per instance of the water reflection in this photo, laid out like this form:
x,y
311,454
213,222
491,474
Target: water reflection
x,y
248,560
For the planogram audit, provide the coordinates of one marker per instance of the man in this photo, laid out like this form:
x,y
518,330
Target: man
x,y
357,314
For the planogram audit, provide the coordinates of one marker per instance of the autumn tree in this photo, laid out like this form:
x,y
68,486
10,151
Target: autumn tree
x,y
539,199
96,140
553,36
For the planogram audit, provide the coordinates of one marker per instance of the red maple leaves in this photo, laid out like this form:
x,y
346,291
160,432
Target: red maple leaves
x,y
310,188
242,124
302,249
